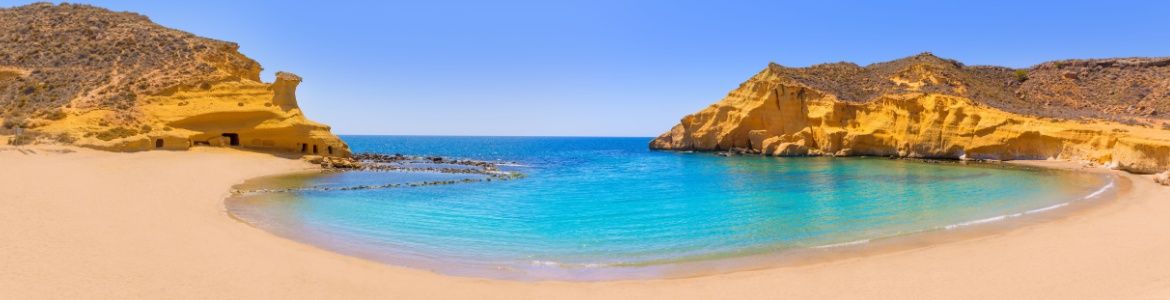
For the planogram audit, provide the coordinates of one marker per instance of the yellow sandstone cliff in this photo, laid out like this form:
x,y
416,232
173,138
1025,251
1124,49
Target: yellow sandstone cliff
x,y
777,113
116,81
243,113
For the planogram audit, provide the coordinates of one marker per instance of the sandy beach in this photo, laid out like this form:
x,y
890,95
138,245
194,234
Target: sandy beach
x,y
80,223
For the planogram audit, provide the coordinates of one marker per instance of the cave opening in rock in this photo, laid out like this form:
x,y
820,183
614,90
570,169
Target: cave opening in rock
x,y
304,147
158,143
314,149
233,139
329,149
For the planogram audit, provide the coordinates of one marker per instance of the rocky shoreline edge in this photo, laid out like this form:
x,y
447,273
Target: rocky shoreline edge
x,y
375,162
1160,178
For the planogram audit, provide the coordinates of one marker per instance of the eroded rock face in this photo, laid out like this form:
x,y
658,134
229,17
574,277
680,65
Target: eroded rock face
x,y
773,114
285,90
88,76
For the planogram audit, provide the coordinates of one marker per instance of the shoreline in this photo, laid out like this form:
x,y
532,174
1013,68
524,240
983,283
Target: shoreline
x,y
81,224
1113,186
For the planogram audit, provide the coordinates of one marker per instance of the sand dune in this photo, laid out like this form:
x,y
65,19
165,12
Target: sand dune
x,y
77,223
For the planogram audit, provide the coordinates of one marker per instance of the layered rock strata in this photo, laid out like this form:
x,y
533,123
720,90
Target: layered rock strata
x,y
928,112
87,76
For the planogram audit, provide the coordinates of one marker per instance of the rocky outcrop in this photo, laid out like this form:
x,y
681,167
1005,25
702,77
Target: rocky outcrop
x,y
924,110
1163,178
116,81
285,90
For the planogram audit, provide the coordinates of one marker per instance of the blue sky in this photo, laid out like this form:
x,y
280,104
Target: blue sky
x,y
616,68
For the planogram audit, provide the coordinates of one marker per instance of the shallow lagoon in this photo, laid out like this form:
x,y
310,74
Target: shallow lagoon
x,y
608,208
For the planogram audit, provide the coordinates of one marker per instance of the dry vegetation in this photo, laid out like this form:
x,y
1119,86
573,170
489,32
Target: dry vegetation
x,y
1126,89
60,58
1118,88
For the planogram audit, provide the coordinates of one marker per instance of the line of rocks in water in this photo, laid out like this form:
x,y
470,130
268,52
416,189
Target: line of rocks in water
x,y
398,158
376,162
366,187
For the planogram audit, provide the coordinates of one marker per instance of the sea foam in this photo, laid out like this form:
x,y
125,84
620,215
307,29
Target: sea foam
x,y
852,243
1100,191
1092,195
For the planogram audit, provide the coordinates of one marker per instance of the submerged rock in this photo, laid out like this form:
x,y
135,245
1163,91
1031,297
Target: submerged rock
x,y
373,162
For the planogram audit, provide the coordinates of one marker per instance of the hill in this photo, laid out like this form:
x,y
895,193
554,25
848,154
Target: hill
x,y
1126,89
1107,111
115,80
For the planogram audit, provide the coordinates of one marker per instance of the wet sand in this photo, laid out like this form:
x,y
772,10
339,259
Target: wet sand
x,y
90,224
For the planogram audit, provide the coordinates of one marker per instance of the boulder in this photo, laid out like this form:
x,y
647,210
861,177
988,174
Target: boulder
x,y
343,163
1163,178
313,159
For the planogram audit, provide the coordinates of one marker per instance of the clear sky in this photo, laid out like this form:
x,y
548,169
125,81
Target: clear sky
x,y
616,68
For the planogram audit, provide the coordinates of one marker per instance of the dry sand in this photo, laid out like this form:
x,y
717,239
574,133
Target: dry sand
x,y
91,224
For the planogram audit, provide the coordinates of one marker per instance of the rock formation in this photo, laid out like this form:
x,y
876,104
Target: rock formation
x,y
925,106
87,76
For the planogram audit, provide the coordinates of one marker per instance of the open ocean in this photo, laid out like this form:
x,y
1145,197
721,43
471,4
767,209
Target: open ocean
x,y
609,208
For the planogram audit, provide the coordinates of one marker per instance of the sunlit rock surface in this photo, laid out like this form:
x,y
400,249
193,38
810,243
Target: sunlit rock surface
x,y
924,108
87,76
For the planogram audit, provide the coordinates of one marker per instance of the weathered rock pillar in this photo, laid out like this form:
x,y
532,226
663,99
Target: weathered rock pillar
x,y
285,90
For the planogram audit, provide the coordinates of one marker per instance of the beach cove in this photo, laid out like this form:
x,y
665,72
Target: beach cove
x,y
84,223
593,150
600,209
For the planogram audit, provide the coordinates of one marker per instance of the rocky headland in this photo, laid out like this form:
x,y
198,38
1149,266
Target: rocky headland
x,y
87,76
1099,111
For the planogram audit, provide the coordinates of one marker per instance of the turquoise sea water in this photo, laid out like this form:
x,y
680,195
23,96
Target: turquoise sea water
x,y
609,208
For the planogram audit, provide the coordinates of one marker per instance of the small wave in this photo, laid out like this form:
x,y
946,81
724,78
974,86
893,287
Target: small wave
x,y
1044,209
549,263
1094,194
976,222
545,263
1100,191
857,242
